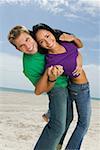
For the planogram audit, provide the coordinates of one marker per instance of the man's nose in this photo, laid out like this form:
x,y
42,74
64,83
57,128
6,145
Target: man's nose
x,y
28,45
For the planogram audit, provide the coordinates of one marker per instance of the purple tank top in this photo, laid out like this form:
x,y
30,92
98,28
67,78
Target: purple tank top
x,y
66,59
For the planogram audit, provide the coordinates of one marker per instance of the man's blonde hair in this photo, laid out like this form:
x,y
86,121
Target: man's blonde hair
x,y
15,33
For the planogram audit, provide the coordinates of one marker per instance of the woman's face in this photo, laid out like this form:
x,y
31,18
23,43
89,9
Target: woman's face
x,y
45,39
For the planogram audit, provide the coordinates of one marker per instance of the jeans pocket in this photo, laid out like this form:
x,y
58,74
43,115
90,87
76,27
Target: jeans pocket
x,y
72,92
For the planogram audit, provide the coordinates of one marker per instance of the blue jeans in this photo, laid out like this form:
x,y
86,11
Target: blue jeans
x,y
81,95
55,128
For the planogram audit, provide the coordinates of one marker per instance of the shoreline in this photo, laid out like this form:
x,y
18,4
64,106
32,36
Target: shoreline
x,y
5,89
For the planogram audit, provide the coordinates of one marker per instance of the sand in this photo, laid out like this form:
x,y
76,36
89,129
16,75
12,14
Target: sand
x,y
21,122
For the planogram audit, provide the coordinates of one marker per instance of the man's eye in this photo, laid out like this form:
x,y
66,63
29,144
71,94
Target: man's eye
x,y
47,36
22,46
27,39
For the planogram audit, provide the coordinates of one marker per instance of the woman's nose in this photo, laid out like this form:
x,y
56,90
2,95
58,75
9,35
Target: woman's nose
x,y
48,41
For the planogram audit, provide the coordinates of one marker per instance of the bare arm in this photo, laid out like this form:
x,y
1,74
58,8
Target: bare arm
x,y
79,59
45,85
70,38
78,42
78,69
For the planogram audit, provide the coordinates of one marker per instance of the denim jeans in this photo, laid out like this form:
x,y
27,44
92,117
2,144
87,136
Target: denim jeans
x,y
80,93
55,128
69,118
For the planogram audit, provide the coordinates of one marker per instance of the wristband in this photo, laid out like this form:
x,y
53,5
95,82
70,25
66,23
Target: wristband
x,y
51,80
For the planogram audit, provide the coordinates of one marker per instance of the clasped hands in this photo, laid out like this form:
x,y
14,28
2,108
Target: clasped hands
x,y
54,72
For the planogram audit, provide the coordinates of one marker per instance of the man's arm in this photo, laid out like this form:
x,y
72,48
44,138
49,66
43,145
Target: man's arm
x,y
43,84
47,81
40,82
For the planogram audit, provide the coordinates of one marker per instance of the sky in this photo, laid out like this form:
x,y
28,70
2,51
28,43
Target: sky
x,y
80,17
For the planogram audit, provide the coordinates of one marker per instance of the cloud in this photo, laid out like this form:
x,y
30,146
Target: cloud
x,y
95,3
92,39
93,74
88,6
70,8
21,2
67,8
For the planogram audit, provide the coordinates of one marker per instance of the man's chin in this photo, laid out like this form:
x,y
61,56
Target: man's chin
x,y
32,53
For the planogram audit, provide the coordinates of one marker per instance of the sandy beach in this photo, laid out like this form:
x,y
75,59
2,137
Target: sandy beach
x,y
21,122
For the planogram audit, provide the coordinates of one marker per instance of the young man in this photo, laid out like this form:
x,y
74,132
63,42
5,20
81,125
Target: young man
x,y
48,81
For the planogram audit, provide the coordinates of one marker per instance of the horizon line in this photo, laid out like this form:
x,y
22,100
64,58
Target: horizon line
x,y
28,91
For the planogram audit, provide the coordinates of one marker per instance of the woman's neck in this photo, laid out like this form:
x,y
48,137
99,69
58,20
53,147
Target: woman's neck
x,y
57,50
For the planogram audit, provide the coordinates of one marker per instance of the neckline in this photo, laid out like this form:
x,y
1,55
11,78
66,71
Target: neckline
x,y
62,44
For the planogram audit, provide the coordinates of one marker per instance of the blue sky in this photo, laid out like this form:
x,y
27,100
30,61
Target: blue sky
x,y
80,17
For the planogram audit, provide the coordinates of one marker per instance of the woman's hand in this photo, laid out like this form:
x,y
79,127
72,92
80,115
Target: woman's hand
x,y
77,71
66,37
70,38
79,62
54,72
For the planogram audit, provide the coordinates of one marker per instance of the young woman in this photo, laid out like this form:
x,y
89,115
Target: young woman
x,y
65,53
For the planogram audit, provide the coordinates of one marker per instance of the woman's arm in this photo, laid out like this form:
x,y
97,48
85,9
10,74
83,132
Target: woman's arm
x,y
71,38
65,36
78,69
77,41
59,33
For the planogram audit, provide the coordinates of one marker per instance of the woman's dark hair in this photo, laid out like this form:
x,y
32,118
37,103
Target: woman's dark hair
x,y
45,27
42,26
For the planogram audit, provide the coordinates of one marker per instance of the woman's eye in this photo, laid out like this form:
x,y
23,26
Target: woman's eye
x,y
41,42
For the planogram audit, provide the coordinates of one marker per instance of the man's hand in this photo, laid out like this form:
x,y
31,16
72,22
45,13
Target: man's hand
x,y
54,72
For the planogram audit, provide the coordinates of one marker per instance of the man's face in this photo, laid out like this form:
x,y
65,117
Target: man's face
x,y
26,44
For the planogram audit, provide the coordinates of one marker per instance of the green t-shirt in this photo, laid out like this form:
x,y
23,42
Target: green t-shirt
x,y
34,67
